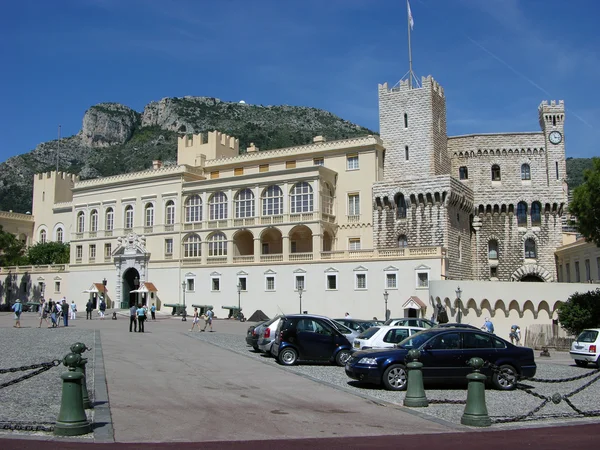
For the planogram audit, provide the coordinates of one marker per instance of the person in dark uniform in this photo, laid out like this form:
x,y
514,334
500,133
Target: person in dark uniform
x,y
89,307
133,318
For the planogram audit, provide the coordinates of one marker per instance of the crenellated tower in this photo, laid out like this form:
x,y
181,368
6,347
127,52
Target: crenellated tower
x,y
552,123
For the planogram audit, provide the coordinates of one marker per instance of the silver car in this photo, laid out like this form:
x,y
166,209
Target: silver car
x,y
267,334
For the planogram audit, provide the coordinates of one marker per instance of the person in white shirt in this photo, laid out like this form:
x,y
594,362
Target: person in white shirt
x,y
73,310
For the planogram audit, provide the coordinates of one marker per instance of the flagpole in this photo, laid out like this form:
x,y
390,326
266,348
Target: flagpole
x,y
410,71
58,149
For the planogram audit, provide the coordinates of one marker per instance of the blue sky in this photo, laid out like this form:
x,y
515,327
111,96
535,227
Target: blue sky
x,y
496,59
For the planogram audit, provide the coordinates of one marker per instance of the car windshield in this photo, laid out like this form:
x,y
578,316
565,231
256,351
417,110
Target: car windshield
x,y
341,328
588,336
416,340
368,334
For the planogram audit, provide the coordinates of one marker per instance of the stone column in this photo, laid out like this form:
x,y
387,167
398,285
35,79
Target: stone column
x,y
317,245
285,247
257,249
229,251
204,251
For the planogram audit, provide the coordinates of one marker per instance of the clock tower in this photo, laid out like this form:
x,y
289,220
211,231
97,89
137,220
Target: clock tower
x,y
552,122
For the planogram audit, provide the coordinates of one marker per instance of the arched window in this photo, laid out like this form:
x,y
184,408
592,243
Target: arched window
x,y
128,217
301,198
43,236
191,246
149,215
217,206
244,204
193,209
217,245
522,214
402,241
170,213
110,219
493,249
525,172
327,199
59,234
80,221
496,173
530,249
94,220
401,204
463,173
272,201
536,214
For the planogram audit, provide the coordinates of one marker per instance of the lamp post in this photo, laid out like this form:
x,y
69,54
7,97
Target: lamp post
x,y
183,318
300,290
458,304
385,299
43,288
239,291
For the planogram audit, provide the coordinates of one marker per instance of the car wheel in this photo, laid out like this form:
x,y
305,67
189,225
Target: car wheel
x,y
342,357
581,363
395,378
288,356
506,379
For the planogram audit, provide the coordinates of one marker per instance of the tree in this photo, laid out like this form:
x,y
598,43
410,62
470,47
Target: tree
x,y
586,204
580,311
49,253
11,249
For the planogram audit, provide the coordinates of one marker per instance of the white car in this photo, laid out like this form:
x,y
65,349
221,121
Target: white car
x,y
384,336
586,348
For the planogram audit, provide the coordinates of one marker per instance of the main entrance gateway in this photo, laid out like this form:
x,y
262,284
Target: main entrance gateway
x,y
131,261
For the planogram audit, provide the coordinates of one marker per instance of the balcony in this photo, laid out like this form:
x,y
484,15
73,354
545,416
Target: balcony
x,y
353,218
271,258
169,227
216,260
306,256
243,259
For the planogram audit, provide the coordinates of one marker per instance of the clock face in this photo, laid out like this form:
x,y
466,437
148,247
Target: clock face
x,y
555,137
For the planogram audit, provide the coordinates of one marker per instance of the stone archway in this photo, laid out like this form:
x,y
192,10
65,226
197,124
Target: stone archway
x,y
130,253
531,272
128,282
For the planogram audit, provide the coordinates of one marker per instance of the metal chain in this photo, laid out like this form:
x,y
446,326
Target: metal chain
x,y
56,362
446,401
27,426
42,368
523,416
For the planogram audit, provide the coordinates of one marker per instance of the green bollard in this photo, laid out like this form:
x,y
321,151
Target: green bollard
x,y
79,348
72,420
476,414
415,393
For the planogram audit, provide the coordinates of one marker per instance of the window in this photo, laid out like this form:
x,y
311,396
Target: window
x,y
422,279
301,198
556,166
217,206
395,336
405,120
57,287
525,172
391,281
318,162
110,219
92,252
238,171
463,173
168,246
354,244
191,246
129,217
263,168
352,162
59,234
265,248
530,248
446,341
402,241
476,340
217,245
272,201
243,283
244,204
360,281
496,172
493,272
80,221
299,282
588,274
94,220
406,152
79,252
170,213
269,283
522,214
332,282
401,205
577,274
193,209
353,204
190,284
536,214
327,199
568,272
107,250
214,174
149,215
290,164
493,249
43,236
215,284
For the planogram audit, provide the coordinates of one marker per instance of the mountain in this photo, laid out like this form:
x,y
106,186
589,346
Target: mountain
x,y
116,139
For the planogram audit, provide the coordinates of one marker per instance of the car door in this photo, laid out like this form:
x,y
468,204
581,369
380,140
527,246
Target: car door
x,y
314,339
476,345
441,356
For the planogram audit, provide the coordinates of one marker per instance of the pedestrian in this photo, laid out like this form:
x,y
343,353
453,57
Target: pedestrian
x,y
141,317
53,311
73,310
58,311
488,326
209,319
102,308
146,311
195,322
18,309
43,312
64,307
153,311
133,318
348,316
89,307
515,335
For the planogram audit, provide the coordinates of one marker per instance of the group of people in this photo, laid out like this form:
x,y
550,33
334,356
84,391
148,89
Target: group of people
x,y
54,310
207,317
138,314
514,335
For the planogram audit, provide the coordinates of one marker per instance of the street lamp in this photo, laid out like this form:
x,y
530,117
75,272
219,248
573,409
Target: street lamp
x,y
300,290
183,318
239,291
385,298
458,304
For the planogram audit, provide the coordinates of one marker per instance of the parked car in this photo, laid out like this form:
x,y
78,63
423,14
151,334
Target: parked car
x,y
267,334
384,336
252,336
410,322
586,348
305,337
348,332
444,354
357,324
459,325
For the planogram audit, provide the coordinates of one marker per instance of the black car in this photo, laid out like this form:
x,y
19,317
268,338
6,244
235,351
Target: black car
x,y
304,337
457,325
444,354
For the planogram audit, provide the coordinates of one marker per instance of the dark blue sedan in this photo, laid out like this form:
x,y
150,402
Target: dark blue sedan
x,y
444,354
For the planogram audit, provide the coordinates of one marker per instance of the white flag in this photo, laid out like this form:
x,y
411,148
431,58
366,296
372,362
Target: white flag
x,y
410,19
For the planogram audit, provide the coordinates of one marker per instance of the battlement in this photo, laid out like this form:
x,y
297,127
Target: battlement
x,y
213,137
551,114
54,175
427,83
194,149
